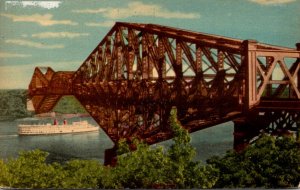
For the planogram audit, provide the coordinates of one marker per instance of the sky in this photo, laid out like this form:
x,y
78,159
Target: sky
x,y
62,33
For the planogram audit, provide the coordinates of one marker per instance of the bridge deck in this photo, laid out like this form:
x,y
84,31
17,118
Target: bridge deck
x,y
291,105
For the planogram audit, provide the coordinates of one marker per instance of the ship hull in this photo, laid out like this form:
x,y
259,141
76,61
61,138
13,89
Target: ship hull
x,y
48,129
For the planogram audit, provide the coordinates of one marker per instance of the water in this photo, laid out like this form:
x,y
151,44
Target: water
x,y
208,142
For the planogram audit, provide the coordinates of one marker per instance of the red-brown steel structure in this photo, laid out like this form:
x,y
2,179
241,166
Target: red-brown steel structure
x,y
138,72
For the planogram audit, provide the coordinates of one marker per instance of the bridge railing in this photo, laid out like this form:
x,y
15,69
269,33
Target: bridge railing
x,y
271,74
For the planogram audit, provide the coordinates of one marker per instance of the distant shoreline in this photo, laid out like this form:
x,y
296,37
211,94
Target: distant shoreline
x,y
57,115
7,118
61,115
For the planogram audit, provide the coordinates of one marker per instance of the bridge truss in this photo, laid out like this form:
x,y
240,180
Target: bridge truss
x,y
139,72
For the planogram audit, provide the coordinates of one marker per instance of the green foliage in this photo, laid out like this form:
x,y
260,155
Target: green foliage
x,y
30,170
184,171
69,104
4,174
143,168
82,174
13,104
154,167
271,162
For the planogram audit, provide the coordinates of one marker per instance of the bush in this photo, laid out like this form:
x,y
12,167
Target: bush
x,y
82,174
30,170
271,162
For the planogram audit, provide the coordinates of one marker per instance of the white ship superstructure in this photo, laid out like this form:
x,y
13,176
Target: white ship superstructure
x,y
48,129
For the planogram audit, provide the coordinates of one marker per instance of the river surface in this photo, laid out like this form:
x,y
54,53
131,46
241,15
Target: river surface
x,y
208,142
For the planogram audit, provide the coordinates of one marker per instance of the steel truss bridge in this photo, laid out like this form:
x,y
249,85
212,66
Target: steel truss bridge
x,y
139,72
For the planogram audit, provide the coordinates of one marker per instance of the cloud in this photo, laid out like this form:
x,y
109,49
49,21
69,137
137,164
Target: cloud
x,y
140,9
40,4
33,44
44,20
58,35
107,23
272,2
24,35
90,11
13,55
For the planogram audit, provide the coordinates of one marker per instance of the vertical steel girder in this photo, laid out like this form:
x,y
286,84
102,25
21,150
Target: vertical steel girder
x,y
138,72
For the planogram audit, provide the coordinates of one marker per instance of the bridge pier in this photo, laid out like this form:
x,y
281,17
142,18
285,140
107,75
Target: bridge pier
x,y
298,76
298,132
241,129
110,156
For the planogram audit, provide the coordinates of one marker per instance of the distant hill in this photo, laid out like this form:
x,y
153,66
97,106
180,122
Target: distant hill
x,y
13,105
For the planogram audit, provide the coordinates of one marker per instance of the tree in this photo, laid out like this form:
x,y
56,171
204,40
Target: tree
x,y
31,171
82,174
184,171
143,168
271,162
13,104
5,176
155,167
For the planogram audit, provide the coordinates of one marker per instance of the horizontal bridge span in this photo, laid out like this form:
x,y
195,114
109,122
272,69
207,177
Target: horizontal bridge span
x,y
292,105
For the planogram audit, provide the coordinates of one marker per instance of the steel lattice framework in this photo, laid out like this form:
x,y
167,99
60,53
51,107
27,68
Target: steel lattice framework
x,y
139,72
